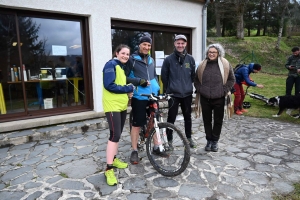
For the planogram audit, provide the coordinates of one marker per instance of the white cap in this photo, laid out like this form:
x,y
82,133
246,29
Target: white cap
x,y
178,37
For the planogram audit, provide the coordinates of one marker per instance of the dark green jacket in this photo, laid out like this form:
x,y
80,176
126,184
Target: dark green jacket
x,y
293,61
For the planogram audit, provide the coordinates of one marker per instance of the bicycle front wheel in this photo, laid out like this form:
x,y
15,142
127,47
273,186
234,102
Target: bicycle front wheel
x,y
178,155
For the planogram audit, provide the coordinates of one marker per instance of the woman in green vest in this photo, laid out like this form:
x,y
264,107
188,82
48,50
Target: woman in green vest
x,y
115,101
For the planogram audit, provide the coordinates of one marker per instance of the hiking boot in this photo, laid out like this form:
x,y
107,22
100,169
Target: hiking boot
x,y
191,142
244,110
208,146
238,112
214,146
160,153
134,158
119,164
110,177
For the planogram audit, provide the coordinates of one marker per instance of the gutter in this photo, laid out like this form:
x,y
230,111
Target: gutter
x,y
204,28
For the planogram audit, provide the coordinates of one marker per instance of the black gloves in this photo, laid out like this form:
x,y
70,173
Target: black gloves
x,y
143,82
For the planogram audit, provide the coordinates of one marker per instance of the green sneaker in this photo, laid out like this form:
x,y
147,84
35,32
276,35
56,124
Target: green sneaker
x,y
119,164
110,177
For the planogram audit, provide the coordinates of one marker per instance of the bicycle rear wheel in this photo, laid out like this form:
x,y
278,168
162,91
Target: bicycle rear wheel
x,y
178,157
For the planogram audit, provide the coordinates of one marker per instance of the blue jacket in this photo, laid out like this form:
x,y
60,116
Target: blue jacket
x,y
136,69
242,74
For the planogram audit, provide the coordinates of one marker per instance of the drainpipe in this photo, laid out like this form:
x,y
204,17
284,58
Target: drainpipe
x,y
204,28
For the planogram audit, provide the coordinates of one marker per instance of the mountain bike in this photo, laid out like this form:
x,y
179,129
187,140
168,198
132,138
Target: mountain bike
x,y
154,132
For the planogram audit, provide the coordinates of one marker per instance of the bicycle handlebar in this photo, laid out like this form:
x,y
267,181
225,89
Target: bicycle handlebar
x,y
153,97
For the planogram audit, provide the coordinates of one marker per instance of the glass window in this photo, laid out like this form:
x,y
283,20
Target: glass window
x,y
11,95
129,33
128,37
52,54
43,65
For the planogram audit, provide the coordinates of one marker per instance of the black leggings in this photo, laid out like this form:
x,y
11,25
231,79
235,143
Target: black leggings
x,y
116,121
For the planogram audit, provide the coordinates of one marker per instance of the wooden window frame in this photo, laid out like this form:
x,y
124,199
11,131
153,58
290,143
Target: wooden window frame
x,y
88,106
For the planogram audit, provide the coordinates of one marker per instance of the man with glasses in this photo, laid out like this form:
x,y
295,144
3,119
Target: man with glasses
x,y
177,74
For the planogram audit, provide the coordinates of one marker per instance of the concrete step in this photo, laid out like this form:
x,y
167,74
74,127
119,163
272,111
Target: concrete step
x,y
51,131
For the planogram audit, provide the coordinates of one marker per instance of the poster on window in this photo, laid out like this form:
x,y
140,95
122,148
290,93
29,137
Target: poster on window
x,y
159,54
59,50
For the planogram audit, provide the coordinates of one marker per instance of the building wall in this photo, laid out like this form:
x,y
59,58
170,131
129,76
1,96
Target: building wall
x,y
100,12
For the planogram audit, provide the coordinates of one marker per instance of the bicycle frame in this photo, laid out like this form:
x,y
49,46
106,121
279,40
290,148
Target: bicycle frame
x,y
153,120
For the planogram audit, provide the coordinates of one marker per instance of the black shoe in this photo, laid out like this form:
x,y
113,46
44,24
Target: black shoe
x,y
208,146
214,146
134,158
159,153
191,142
296,116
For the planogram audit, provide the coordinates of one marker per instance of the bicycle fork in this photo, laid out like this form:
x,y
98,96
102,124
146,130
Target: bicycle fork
x,y
158,136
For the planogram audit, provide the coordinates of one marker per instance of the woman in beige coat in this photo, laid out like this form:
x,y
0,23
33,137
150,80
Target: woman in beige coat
x,y
213,82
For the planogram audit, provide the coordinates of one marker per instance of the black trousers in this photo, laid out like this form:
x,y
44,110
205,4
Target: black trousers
x,y
290,81
213,107
186,108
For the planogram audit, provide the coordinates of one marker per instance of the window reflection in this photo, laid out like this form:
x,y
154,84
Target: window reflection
x,y
164,42
55,64
128,37
51,73
11,95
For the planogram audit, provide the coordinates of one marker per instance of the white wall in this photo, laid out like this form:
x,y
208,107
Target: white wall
x,y
179,13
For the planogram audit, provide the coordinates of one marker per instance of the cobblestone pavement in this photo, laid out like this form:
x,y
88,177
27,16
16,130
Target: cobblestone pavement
x,y
257,158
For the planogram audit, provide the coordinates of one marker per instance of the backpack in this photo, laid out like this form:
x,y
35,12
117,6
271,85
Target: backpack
x,y
237,67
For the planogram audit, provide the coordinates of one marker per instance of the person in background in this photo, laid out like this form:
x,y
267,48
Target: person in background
x,y
177,74
115,100
61,85
79,73
75,71
140,71
293,75
242,75
213,82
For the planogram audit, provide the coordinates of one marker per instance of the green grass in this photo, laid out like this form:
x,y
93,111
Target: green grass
x,y
258,49
293,196
64,175
274,85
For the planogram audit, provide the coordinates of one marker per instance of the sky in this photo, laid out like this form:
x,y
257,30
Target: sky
x,y
61,33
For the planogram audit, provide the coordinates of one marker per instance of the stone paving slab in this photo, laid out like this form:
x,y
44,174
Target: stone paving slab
x,y
257,159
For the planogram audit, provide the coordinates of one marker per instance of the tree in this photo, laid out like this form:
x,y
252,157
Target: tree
x,y
282,4
9,46
240,9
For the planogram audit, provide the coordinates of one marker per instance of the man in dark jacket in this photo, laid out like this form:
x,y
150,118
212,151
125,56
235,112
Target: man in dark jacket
x,y
293,76
177,74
